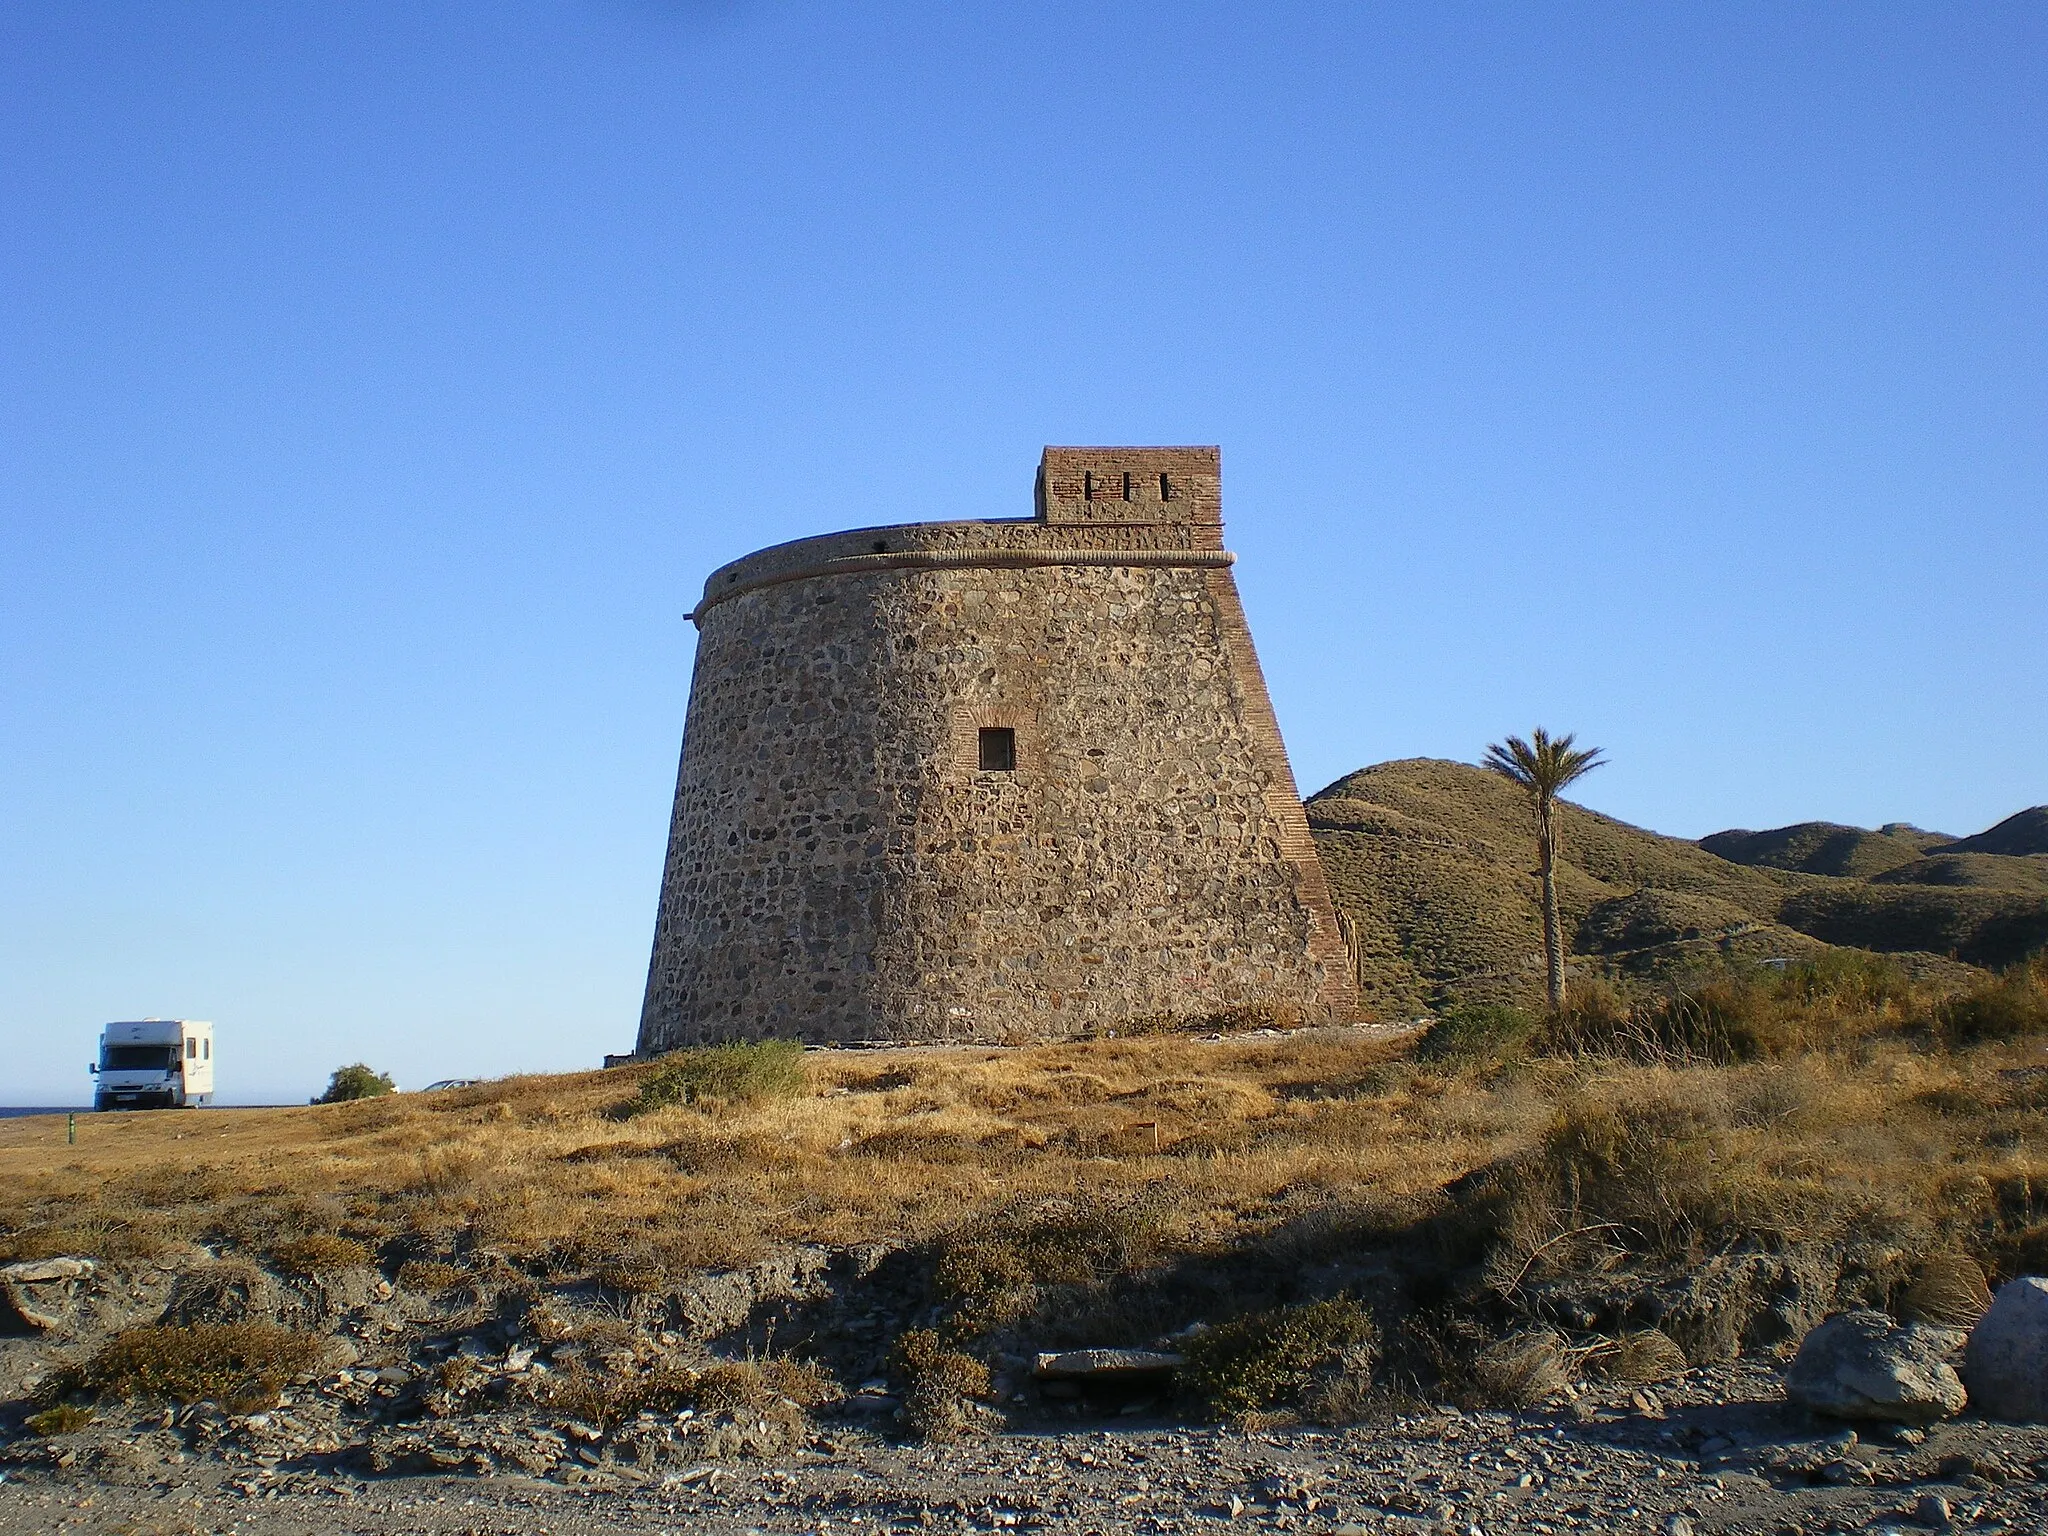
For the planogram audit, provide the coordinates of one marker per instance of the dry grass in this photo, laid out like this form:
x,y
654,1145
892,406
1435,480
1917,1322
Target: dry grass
x,y
882,1146
1183,1143
1113,1190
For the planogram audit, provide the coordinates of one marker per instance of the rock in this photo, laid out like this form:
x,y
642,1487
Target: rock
x,y
1862,1365
38,1271
1102,1364
1932,1510
2006,1361
19,1315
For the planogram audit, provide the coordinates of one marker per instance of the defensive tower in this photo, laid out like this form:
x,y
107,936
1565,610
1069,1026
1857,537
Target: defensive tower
x,y
993,780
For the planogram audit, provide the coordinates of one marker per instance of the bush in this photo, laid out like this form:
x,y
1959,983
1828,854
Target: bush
x,y
355,1082
750,1073
430,1276
1476,1034
940,1386
2009,1007
1950,1290
1650,1163
608,1399
1523,1369
64,1419
991,1269
1268,1359
1743,1015
1639,1358
320,1253
241,1366
766,1396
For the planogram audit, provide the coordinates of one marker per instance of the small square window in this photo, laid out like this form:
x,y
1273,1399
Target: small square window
x,y
998,749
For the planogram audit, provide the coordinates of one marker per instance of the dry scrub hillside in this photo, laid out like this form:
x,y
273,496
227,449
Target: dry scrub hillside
x,y
1431,862
1505,1206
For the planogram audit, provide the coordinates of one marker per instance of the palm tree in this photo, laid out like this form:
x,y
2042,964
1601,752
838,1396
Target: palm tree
x,y
1543,768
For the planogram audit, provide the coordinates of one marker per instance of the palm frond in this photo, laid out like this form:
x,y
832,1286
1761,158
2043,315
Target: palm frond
x,y
1544,764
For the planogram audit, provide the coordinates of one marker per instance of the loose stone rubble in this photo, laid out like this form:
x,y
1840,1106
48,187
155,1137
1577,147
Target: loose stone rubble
x,y
1717,1450
426,1421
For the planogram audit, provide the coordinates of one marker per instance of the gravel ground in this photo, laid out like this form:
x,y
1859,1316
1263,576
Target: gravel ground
x,y
1715,1451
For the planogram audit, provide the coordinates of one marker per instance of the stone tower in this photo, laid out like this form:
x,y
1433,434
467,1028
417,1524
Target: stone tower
x,y
996,780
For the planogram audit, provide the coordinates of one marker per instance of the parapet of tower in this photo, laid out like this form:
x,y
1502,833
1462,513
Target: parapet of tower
x,y
997,780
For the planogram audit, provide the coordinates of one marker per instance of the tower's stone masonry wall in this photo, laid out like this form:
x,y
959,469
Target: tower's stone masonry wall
x,y
841,867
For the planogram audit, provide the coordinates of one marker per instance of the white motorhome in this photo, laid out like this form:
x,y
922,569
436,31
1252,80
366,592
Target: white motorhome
x,y
155,1064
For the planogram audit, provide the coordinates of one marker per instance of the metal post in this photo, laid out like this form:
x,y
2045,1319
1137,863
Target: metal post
x,y
71,1129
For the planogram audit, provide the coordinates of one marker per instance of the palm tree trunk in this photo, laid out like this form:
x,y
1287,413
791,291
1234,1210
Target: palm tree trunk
x,y
1553,932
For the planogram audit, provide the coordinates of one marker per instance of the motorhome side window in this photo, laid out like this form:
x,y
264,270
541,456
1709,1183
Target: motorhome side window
x,y
206,1050
192,1048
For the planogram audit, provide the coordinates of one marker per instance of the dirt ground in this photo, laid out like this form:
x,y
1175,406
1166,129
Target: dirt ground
x,y
1716,1451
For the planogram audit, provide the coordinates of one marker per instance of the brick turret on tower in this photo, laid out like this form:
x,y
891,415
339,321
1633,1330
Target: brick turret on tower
x,y
998,780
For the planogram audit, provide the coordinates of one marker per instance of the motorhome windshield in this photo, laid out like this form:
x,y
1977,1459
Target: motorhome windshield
x,y
139,1058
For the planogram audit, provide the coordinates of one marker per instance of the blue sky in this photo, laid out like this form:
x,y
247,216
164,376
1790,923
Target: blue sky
x,y
381,380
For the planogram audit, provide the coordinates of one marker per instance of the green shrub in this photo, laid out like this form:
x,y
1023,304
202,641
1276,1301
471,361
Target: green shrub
x,y
1475,1034
355,1082
319,1253
241,1366
748,1073
1268,1359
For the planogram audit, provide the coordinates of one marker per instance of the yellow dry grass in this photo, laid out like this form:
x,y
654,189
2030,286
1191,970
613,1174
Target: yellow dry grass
x,y
1221,1137
885,1145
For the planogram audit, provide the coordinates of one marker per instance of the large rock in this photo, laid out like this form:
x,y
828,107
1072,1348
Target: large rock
x,y
1862,1365
42,1271
28,1290
2007,1358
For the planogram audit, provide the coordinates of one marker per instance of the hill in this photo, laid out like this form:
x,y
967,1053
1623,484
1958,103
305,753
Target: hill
x,y
1821,848
2023,834
1984,871
1431,861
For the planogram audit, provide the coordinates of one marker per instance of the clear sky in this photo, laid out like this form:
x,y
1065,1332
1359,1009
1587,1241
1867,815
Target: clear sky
x,y
382,379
